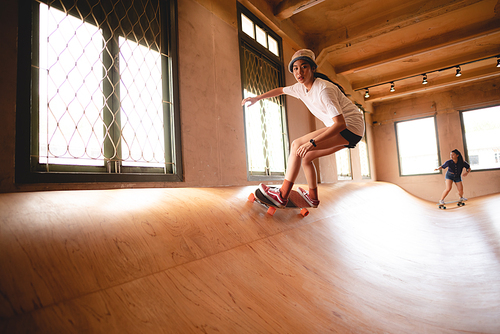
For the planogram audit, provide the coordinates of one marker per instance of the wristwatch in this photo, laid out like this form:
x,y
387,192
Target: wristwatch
x,y
313,142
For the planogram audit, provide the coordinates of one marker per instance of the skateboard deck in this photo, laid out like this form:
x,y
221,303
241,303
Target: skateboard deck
x,y
443,206
295,201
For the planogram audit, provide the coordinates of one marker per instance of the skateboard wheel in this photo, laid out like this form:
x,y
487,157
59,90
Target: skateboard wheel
x,y
304,212
251,197
271,210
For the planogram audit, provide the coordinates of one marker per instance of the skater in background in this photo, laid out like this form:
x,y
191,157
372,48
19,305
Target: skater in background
x,y
454,174
344,126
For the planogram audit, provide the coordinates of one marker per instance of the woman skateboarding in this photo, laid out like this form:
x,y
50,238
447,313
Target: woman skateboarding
x,y
455,166
327,101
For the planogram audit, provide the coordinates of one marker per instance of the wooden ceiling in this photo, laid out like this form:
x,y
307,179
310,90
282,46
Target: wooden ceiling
x,y
372,43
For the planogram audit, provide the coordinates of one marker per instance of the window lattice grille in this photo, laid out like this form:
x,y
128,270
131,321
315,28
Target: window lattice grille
x,y
264,120
101,83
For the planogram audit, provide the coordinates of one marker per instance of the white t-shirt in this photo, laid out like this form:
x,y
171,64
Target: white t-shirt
x,y
325,101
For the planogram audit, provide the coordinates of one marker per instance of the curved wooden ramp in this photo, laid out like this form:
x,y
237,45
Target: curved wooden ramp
x,y
371,259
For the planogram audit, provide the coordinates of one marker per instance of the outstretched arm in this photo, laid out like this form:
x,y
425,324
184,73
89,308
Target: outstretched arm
x,y
272,93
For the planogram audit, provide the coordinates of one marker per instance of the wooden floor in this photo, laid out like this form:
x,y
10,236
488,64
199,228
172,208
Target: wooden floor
x,y
371,259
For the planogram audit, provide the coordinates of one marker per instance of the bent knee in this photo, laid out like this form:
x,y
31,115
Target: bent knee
x,y
295,145
308,159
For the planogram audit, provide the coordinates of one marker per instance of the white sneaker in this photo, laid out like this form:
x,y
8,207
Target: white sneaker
x,y
441,201
463,199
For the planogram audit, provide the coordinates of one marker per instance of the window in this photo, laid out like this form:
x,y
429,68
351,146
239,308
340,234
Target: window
x,y
265,122
257,31
481,130
343,159
364,158
417,146
102,79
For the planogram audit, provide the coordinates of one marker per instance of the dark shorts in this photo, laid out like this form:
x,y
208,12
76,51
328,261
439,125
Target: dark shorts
x,y
453,177
351,137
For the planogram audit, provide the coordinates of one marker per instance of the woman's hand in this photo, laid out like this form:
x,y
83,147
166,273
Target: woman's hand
x,y
303,149
252,101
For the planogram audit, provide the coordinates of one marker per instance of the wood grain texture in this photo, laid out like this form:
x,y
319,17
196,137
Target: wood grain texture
x,y
370,259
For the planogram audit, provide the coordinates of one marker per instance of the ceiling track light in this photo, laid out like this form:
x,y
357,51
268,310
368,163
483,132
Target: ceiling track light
x,y
458,73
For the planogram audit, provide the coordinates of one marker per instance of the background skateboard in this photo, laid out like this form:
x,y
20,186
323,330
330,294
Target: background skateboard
x,y
443,206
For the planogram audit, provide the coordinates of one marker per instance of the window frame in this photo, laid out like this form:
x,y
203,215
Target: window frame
x,y
464,139
253,41
272,58
27,166
437,146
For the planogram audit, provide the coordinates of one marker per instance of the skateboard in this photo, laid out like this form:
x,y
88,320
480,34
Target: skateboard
x,y
443,206
295,201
